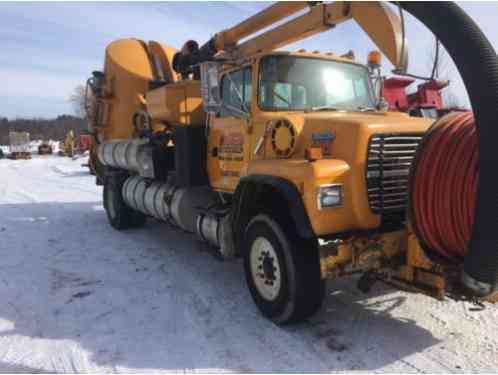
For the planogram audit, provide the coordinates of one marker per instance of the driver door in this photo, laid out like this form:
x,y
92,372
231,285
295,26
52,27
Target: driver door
x,y
228,141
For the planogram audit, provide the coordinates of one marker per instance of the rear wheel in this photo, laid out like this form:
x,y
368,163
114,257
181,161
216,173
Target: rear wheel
x,y
282,272
120,216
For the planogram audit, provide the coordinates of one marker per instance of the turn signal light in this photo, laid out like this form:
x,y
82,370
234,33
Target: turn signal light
x,y
314,153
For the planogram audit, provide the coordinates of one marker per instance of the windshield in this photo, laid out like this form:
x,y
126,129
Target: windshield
x,y
303,83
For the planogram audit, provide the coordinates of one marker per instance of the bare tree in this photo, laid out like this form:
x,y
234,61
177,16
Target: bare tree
x,y
78,100
42,129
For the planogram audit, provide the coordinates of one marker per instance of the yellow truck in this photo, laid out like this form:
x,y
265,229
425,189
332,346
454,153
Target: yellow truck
x,y
289,160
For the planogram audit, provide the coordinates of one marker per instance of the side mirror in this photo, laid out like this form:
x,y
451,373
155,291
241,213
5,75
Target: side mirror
x,y
377,80
210,86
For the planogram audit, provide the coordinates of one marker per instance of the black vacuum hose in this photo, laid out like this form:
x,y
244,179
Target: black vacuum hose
x,y
477,63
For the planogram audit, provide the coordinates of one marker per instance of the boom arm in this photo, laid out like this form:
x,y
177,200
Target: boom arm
x,y
375,18
267,17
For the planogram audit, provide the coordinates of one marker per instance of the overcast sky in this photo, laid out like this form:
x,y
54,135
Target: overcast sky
x,y
49,48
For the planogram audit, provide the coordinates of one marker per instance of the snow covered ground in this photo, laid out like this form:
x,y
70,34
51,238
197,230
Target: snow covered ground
x,y
78,296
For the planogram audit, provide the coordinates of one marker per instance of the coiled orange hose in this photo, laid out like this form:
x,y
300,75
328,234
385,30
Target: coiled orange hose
x,y
443,185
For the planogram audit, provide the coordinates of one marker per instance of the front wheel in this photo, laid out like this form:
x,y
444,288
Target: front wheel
x,y
282,272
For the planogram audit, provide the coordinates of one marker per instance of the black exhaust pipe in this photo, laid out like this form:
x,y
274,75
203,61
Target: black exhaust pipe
x,y
477,63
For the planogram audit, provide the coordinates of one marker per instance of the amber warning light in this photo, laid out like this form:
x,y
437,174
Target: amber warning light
x,y
374,58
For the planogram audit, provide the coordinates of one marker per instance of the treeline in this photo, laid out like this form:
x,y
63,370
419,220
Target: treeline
x,y
41,129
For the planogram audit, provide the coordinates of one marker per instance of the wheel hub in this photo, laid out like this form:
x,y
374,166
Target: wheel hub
x,y
265,268
268,268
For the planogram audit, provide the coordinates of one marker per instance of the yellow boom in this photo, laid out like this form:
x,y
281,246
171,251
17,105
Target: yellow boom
x,y
375,18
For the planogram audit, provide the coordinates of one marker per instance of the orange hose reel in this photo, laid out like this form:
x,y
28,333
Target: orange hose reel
x,y
443,186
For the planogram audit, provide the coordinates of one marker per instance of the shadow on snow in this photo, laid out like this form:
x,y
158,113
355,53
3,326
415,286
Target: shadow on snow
x,y
153,298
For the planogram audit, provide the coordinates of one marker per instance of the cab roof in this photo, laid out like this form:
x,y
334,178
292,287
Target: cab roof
x,y
313,54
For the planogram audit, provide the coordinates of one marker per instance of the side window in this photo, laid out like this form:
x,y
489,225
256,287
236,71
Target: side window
x,y
232,89
236,90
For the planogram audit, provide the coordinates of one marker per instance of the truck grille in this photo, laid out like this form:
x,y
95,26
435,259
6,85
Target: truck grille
x,y
388,163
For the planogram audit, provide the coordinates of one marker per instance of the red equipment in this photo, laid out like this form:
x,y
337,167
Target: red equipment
x,y
394,91
426,101
85,142
428,94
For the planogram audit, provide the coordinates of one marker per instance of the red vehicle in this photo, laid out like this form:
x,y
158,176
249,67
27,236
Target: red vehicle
x,y
85,142
427,101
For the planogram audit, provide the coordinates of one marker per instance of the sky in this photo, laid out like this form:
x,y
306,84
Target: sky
x,y
47,49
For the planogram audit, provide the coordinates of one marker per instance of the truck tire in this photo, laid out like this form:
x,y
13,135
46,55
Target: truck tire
x,y
120,216
282,275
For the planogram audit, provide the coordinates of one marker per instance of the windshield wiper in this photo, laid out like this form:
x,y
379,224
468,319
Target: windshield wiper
x,y
281,98
321,108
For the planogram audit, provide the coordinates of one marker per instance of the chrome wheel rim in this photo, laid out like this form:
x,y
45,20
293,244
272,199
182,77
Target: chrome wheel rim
x,y
265,269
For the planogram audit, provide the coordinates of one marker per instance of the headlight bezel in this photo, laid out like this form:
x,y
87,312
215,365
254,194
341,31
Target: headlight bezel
x,y
336,187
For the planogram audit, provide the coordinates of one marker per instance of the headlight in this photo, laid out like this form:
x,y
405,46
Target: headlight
x,y
330,196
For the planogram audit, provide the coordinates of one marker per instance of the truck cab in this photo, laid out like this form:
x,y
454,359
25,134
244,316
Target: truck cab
x,y
312,119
